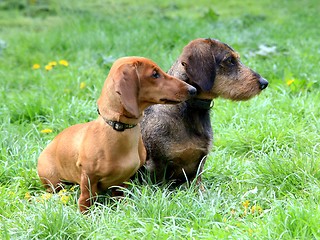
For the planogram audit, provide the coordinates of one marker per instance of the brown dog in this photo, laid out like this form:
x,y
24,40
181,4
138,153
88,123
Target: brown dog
x,y
109,150
179,137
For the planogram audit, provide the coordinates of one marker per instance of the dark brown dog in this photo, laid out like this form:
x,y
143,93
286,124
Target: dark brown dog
x,y
109,150
179,137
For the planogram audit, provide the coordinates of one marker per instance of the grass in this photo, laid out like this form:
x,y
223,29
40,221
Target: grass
x,y
262,177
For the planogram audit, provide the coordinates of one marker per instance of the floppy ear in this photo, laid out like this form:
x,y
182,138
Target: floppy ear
x,y
127,85
200,66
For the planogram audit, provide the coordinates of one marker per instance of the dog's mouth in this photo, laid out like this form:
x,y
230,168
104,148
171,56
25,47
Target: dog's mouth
x,y
169,101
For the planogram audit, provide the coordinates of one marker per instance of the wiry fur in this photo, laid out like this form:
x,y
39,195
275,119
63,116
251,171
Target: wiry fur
x,y
178,137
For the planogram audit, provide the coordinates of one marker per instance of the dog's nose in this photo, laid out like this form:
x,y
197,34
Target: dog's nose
x,y
263,83
192,91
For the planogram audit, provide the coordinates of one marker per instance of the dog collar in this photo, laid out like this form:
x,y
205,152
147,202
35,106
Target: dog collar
x,y
118,126
200,103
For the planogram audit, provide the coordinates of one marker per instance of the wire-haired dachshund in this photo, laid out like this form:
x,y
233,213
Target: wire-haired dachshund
x,y
179,137
109,150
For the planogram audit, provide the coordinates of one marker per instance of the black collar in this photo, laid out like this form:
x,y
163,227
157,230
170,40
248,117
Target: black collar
x,y
200,103
118,126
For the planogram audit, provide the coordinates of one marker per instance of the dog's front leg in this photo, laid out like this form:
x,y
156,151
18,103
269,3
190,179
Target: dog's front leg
x,y
142,152
117,192
199,174
88,193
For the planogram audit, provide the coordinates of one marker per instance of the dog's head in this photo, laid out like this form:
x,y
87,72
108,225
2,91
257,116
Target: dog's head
x,y
214,68
139,82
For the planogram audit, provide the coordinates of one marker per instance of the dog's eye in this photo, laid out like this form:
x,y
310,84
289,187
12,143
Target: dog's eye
x,y
231,61
155,74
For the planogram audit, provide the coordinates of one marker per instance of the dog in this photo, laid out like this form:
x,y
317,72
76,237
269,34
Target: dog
x,y
179,137
109,150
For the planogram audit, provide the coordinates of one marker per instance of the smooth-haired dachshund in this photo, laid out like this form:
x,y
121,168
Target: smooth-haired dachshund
x,y
109,150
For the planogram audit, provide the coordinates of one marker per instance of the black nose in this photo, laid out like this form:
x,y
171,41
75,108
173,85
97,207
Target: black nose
x,y
263,83
192,91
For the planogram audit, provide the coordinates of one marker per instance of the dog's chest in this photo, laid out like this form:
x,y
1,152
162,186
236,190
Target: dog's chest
x,y
189,151
118,172
187,159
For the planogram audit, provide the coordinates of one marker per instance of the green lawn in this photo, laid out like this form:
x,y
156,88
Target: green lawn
x,y
262,177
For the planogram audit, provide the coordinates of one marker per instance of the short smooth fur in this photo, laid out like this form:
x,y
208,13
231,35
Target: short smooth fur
x,y
109,150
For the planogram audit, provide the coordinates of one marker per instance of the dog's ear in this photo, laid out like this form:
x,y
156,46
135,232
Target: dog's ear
x,y
127,85
200,65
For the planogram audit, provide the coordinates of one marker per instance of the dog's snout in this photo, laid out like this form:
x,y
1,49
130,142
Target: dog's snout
x,y
263,83
192,91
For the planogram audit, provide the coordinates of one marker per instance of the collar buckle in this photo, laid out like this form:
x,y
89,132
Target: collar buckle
x,y
118,126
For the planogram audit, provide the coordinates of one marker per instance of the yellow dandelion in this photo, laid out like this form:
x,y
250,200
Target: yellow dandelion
x,y
46,196
62,192
46,130
250,231
52,64
35,66
289,82
64,199
257,209
82,85
27,196
48,67
246,204
72,189
64,63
